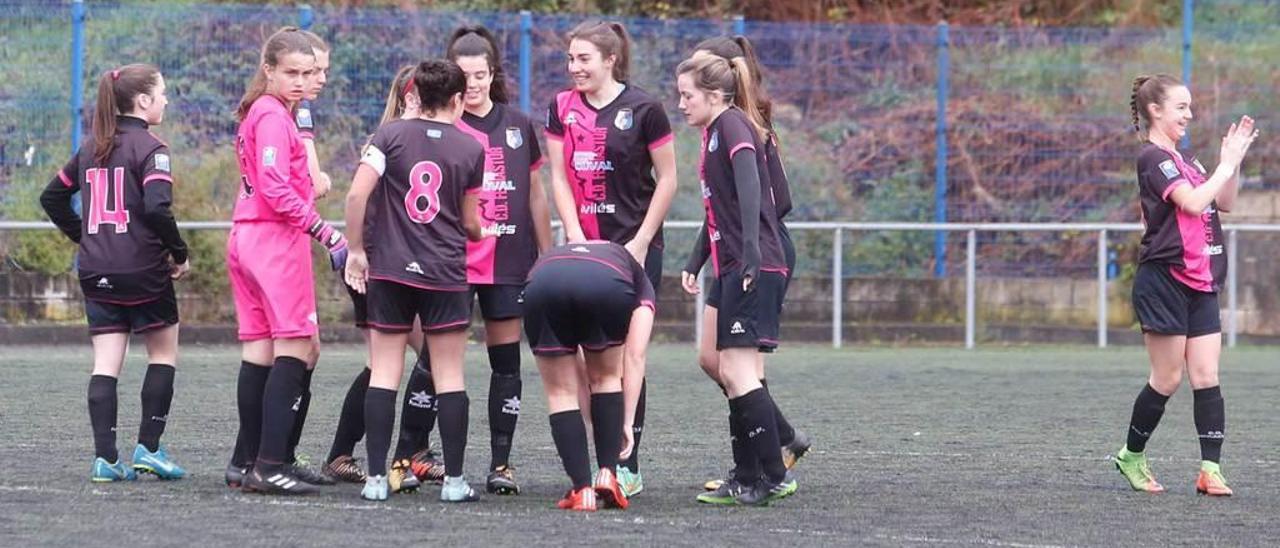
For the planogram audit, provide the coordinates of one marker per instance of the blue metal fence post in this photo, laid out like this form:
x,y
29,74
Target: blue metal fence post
x,y
1188,21
306,17
739,25
526,59
940,158
77,72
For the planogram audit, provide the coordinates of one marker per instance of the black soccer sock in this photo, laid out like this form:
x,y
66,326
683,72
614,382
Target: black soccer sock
x,y
1147,410
786,434
379,421
250,387
351,421
102,416
453,416
417,413
746,467
606,425
762,433
504,401
1211,422
570,435
633,461
300,418
157,395
280,402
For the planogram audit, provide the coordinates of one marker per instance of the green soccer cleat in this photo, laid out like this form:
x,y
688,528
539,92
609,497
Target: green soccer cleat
x,y
632,483
726,494
1134,468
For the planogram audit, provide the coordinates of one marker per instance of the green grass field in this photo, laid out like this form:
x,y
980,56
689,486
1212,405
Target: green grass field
x,y
940,446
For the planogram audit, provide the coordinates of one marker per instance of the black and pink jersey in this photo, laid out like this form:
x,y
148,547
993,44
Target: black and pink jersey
x,y
511,153
1191,244
728,134
304,119
127,233
778,182
624,267
607,161
424,168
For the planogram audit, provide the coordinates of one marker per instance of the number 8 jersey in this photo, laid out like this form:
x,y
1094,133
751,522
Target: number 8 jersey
x,y
414,215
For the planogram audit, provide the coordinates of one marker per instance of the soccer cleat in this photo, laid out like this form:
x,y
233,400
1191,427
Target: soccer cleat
x,y
631,482
234,475
579,500
106,472
609,491
765,492
1134,468
725,494
344,469
1210,482
375,488
302,470
455,489
157,464
502,481
275,483
427,467
401,478
792,452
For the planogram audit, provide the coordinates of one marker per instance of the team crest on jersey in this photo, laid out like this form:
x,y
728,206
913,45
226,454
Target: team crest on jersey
x,y
304,118
269,156
435,133
624,120
1169,170
571,118
515,138
713,144
162,162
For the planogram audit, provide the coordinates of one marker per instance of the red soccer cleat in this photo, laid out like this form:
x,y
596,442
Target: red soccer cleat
x,y
608,491
580,500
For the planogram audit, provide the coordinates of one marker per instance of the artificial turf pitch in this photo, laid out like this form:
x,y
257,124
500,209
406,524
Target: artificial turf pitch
x,y
938,446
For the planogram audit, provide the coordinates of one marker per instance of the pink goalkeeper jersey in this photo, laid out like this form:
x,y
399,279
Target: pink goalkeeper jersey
x,y
275,185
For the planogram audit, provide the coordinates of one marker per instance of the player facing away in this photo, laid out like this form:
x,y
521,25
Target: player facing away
x,y
1181,266
418,181
269,263
591,297
613,173
795,443
516,224
130,253
418,406
747,258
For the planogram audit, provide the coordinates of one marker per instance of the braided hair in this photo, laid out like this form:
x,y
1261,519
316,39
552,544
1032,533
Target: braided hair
x,y
1148,89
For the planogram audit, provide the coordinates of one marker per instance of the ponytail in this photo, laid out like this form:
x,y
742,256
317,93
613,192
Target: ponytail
x,y
116,92
611,39
732,79
282,42
401,85
745,96
739,47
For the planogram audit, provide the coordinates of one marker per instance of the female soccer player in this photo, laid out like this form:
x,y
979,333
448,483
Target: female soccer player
x,y
606,140
516,224
418,408
269,262
1181,266
130,253
591,296
418,180
748,261
795,443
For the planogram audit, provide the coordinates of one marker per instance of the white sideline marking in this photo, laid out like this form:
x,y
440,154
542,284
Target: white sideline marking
x,y
985,542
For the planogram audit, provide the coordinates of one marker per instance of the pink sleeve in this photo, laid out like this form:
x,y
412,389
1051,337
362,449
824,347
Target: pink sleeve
x,y
272,170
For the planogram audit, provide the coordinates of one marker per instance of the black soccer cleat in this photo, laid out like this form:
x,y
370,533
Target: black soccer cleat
x,y
276,483
300,470
235,475
765,492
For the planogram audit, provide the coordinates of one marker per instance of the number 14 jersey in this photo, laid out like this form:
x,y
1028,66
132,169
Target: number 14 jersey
x,y
414,215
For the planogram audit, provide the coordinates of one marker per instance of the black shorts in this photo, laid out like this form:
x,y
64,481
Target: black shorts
x,y
393,306
106,317
360,303
498,302
653,269
1166,306
572,304
749,319
712,298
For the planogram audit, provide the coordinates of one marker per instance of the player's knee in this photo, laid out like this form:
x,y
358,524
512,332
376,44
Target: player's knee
x,y
1166,382
1203,378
